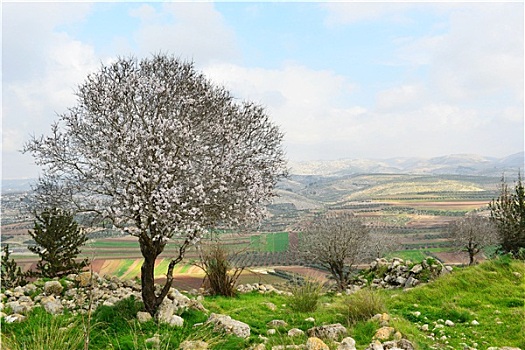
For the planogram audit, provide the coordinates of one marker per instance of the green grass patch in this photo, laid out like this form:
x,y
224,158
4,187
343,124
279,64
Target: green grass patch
x,y
489,293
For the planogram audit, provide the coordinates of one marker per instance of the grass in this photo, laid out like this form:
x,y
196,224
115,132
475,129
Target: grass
x,y
305,297
43,331
490,293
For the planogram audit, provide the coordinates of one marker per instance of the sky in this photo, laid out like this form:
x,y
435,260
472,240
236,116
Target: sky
x,y
354,80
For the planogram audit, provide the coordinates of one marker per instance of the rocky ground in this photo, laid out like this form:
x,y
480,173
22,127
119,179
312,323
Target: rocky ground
x,y
84,292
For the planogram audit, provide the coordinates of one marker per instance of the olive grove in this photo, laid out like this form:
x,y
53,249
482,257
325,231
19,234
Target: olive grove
x,y
161,152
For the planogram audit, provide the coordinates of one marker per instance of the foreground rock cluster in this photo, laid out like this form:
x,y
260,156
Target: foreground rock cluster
x,y
399,273
83,292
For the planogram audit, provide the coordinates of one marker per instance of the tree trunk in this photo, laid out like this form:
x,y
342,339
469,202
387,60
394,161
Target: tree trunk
x,y
147,276
471,257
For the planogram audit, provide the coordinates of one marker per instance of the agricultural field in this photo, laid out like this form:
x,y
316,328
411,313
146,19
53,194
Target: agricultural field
x,y
414,209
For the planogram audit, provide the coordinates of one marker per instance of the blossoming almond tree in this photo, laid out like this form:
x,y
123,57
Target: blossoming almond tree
x,y
162,152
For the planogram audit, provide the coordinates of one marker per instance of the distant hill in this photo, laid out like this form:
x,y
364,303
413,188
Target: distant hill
x,y
20,185
457,164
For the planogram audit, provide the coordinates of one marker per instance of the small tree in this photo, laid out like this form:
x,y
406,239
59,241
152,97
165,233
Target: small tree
x,y
163,153
508,212
221,275
58,240
471,234
336,241
382,242
11,273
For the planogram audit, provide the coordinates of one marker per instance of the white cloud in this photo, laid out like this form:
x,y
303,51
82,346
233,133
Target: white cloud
x,y
194,31
400,98
307,104
341,13
42,67
480,54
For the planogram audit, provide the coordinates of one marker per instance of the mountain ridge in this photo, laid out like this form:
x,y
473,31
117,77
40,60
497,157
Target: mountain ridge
x,y
453,164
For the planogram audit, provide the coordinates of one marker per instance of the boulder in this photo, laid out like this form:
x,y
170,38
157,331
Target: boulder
x,y
84,279
18,307
294,332
51,305
383,319
270,306
276,323
30,289
314,343
155,340
229,325
143,316
405,344
176,321
53,288
347,343
331,331
193,345
416,269
14,318
384,333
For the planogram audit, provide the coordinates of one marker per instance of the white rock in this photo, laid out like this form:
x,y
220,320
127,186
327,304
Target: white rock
x,y
143,316
474,323
449,323
53,287
294,332
14,318
176,321
229,325
347,343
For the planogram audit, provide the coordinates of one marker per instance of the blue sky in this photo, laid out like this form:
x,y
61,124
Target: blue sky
x,y
342,79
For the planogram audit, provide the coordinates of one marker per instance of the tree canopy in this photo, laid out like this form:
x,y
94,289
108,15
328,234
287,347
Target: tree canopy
x,y
162,152
508,212
336,241
58,240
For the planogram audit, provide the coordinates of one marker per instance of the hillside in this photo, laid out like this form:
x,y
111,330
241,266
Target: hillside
x,y
477,307
331,190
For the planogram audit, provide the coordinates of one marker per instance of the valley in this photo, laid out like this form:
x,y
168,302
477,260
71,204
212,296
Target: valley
x,y
413,210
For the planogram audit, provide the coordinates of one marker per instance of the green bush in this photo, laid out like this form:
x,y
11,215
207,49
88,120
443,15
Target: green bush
x,y
10,273
361,306
305,295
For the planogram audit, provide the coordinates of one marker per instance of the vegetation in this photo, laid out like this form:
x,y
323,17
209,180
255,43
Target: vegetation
x,y
306,294
58,241
156,149
472,234
215,262
361,306
508,211
490,293
11,274
336,241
